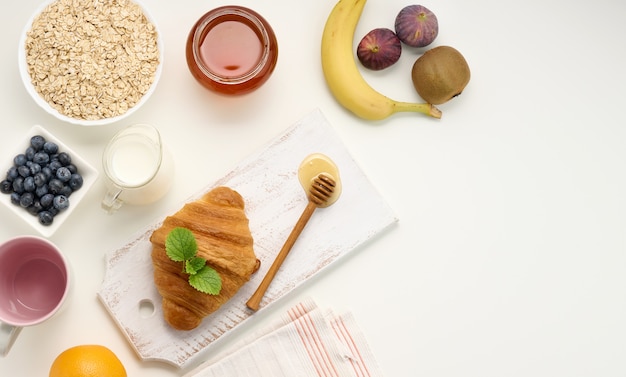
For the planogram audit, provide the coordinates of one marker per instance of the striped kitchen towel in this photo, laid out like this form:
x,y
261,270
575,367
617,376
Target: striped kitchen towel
x,y
304,342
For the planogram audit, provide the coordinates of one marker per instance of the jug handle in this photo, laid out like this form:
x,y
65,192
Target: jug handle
x,y
111,201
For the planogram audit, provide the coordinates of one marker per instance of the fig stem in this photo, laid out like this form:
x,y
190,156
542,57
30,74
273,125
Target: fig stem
x,y
424,108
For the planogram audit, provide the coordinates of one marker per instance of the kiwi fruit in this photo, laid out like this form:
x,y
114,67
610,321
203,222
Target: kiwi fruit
x,y
440,74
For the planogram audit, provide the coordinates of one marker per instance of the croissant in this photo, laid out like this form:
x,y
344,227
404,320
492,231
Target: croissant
x,y
220,226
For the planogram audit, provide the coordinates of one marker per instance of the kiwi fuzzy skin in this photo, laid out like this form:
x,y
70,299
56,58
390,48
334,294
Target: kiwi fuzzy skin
x,y
440,74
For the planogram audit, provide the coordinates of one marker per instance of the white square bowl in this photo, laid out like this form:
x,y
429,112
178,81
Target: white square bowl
x,y
88,172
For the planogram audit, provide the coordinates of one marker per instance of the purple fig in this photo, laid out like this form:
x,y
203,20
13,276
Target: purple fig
x,y
416,26
379,49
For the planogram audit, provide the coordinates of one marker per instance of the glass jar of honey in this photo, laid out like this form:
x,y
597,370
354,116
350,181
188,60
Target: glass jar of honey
x,y
232,50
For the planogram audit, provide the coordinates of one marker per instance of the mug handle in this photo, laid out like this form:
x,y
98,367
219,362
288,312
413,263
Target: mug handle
x,y
8,334
111,201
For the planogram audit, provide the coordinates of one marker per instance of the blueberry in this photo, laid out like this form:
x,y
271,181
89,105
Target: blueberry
x,y
41,158
35,208
64,158
54,186
20,160
6,186
66,190
23,171
12,173
60,202
47,172
76,181
50,147
15,198
34,168
46,200
37,142
29,153
45,217
41,191
29,184
72,168
40,179
54,166
18,185
64,174
27,199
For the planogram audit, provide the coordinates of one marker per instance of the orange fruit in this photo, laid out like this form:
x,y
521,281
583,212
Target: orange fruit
x,y
87,361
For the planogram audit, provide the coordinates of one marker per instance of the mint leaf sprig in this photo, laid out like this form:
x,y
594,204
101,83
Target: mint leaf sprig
x,y
181,246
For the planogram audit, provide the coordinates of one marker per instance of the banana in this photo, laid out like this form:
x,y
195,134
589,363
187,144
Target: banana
x,y
343,76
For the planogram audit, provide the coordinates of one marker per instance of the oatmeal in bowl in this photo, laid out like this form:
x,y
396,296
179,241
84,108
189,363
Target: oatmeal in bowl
x,y
90,62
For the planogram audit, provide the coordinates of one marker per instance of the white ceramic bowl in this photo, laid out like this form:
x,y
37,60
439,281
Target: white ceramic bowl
x,y
88,172
26,78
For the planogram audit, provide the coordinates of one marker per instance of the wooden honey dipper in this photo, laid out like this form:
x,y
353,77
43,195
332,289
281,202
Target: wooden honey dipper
x,y
320,192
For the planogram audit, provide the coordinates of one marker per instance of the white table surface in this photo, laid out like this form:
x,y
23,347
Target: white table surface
x,y
509,257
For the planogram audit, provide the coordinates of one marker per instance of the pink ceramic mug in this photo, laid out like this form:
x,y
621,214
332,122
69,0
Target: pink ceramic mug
x,y
34,283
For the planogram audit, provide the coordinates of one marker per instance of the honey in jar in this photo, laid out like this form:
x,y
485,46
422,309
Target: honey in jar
x,y
232,50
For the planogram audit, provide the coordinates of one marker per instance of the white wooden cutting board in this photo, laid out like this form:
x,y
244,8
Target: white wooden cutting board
x,y
274,200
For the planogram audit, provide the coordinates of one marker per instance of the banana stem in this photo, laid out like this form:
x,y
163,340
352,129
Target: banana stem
x,y
424,108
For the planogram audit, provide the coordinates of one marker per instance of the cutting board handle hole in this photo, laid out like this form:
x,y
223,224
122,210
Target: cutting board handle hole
x,y
146,308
